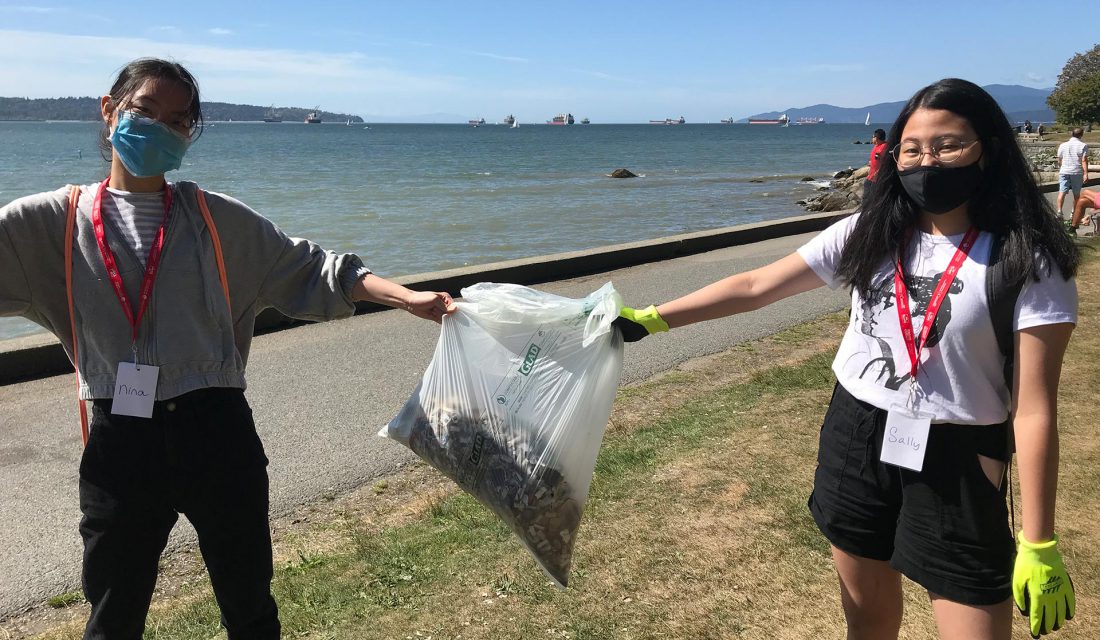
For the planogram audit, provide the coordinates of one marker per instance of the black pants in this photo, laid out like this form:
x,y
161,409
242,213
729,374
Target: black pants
x,y
945,527
198,455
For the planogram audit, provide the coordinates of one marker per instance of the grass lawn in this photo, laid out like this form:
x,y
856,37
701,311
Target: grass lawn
x,y
696,526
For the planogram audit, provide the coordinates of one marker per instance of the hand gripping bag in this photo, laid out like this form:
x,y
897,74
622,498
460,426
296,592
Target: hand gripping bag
x,y
514,404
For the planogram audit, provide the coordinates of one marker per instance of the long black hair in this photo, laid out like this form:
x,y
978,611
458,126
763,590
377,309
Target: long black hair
x,y
1007,202
134,75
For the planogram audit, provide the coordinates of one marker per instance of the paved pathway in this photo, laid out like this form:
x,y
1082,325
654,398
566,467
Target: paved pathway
x,y
320,393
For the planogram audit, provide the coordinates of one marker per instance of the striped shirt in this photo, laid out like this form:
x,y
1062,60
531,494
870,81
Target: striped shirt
x,y
1070,153
137,216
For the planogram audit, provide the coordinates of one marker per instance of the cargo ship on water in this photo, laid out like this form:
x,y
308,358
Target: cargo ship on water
x,y
562,119
668,121
781,120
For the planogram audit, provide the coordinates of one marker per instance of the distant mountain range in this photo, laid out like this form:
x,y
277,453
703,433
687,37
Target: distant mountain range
x,y
88,109
1019,103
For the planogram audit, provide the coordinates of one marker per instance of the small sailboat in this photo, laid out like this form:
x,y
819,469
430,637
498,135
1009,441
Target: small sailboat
x,y
348,123
867,120
515,123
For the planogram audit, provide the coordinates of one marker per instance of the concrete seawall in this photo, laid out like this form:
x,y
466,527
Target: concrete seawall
x,y
41,355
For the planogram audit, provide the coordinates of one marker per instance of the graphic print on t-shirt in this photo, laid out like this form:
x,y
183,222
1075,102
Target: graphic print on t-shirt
x,y
879,307
962,380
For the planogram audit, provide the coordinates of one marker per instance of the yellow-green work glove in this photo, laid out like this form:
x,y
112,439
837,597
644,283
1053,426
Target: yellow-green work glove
x,y
636,324
1041,587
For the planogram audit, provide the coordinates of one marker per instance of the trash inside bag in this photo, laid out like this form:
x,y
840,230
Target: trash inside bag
x,y
514,404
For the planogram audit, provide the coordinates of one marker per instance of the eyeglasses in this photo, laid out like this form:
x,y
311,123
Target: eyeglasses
x,y
183,127
945,149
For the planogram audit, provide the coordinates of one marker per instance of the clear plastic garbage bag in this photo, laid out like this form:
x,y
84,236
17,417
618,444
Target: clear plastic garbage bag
x,y
514,404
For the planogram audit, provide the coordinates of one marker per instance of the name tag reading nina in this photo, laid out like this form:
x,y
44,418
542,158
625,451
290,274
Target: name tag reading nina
x,y
135,390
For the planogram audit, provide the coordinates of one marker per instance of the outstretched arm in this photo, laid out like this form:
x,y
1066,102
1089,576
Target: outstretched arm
x,y
431,305
15,290
742,292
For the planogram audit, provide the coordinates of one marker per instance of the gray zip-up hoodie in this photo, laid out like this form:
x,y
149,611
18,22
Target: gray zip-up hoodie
x,y
188,329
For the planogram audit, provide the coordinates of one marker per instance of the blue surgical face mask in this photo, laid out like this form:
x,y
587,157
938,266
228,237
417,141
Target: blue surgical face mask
x,y
148,147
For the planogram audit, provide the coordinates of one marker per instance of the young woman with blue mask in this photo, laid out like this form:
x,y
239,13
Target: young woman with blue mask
x,y
911,475
153,288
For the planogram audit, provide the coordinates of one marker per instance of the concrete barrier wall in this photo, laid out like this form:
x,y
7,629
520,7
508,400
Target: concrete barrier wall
x,y
41,355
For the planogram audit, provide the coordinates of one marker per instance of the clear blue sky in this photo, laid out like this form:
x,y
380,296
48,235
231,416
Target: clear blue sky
x,y
625,61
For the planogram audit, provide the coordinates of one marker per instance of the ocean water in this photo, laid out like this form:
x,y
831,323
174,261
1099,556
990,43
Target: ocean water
x,y
415,198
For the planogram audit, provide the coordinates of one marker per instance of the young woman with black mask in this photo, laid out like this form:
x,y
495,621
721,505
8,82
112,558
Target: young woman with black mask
x,y
911,476
153,288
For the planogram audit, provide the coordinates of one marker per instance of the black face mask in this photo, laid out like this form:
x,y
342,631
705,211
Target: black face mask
x,y
938,189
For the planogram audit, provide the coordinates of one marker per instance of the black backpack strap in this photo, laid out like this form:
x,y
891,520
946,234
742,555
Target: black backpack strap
x,y
1002,291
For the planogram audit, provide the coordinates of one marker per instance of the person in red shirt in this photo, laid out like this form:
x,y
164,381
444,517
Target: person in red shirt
x,y
878,152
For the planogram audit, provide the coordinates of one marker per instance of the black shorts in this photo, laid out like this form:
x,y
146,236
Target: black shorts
x,y
945,527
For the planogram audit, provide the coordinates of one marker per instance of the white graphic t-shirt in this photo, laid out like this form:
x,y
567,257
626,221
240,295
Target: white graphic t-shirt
x,y
961,375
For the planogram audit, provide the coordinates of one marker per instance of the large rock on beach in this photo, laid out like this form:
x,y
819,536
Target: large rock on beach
x,y
833,201
845,192
807,179
622,173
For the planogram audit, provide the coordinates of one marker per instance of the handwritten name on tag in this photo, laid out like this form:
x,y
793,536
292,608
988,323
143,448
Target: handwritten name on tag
x,y
906,437
135,390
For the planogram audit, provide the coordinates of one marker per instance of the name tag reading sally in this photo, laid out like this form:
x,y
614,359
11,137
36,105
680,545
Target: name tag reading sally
x,y
135,390
906,437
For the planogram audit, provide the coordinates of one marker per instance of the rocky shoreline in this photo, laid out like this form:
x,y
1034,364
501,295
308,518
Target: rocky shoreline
x,y
846,188
845,191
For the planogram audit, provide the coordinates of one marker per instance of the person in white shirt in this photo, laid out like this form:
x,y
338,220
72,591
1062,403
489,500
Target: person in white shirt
x,y
911,476
1073,171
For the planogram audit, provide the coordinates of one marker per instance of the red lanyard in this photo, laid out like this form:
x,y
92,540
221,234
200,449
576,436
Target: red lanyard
x,y
151,262
901,294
